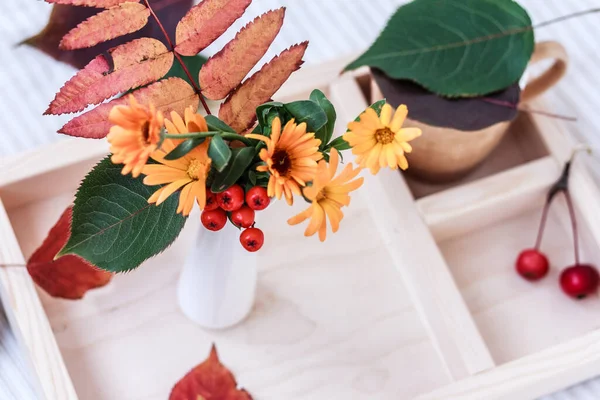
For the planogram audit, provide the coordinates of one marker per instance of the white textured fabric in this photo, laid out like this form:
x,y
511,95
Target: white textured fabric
x,y
29,80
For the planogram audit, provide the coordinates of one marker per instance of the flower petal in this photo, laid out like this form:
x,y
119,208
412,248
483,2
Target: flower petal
x,y
399,118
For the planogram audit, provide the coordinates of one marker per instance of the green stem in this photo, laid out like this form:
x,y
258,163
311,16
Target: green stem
x,y
225,135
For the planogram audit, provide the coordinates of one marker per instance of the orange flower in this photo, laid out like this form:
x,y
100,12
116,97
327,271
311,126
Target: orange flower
x,y
380,141
135,134
328,196
187,173
291,158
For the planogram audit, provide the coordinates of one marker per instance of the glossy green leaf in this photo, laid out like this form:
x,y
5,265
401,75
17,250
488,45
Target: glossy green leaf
x,y
326,132
215,124
307,111
219,152
454,47
113,226
183,148
265,110
340,144
240,161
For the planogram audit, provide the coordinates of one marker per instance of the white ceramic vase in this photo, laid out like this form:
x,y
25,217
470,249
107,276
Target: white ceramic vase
x,y
217,285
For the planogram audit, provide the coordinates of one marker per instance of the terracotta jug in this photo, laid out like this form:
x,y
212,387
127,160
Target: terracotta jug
x,y
445,154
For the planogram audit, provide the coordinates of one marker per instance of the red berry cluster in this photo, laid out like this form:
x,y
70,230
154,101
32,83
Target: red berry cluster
x,y
241,208
577,281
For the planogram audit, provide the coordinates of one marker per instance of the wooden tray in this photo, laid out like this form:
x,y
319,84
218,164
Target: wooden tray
x,y
411,299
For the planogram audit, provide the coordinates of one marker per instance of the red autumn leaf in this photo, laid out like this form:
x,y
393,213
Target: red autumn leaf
x,y
64,18
210,380
225,70
91,3
205,22
173,94
109,24
69,277
135,64
238,111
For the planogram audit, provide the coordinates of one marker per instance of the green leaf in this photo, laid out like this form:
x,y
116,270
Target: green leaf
x,y
114,227
184,147
219,152
193,63
454,47
215,124
265,114
340,144
240,161
252,177
326,132
307,111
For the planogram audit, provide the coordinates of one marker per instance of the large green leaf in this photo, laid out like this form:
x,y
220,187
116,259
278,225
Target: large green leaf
x,y
454,47
114,227
307,111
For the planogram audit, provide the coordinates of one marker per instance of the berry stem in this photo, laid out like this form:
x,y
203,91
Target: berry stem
x,y
573,225
538,241
178,57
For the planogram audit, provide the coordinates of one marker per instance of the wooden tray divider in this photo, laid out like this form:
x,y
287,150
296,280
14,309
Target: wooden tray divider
x,y
430,284
472,206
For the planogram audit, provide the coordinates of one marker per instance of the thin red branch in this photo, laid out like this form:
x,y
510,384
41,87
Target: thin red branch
x,y
178,57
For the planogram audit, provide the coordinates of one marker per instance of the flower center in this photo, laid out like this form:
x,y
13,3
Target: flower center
x,y
320,195
196,169
281,162
146,132
384,136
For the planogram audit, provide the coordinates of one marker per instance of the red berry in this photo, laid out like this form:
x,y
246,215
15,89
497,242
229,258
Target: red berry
x,y
231,199
243,217
257,198
578,281
211,201
252,239
532,265
213,220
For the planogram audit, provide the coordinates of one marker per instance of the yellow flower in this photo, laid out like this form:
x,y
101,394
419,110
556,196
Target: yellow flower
x,y
135,134
381,141
188,172
291,158
328,196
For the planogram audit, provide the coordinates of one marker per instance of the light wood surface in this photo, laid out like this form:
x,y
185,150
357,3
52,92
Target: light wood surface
x,y
29,320
423,269
388,308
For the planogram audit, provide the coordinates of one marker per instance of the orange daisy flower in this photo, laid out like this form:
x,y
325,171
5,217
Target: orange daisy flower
x,y
291,158
380,141
135,134
328,196
187,173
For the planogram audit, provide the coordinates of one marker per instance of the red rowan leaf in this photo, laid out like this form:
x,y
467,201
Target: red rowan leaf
x,y
91,3
109,24
69,277
239,110
205,22
173,94
64,18
135,64
225,70
210,380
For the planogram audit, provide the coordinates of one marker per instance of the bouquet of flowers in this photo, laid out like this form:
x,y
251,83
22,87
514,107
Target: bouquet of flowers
x,y
168,157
